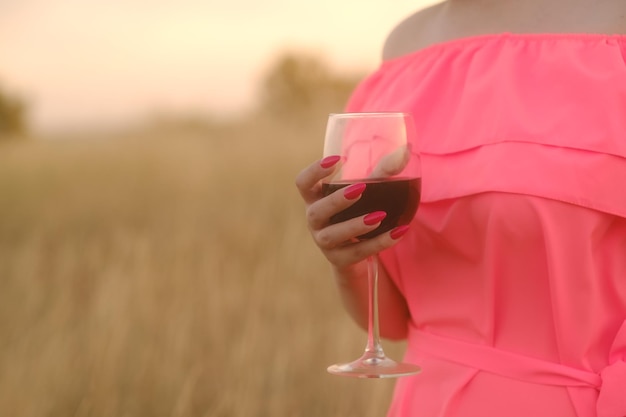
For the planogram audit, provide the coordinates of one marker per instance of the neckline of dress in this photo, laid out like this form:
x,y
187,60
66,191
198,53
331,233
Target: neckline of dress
x,y
518,36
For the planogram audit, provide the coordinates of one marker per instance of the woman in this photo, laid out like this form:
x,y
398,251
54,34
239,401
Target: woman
x,y
510,284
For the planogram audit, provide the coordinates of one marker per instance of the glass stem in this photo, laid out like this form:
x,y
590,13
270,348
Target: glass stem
x,y
374,347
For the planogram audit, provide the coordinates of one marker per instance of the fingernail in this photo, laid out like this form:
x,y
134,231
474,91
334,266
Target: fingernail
x,y
374,218
353,191
329,161
399,231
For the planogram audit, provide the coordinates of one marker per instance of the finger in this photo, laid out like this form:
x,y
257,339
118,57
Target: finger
x,y
356,252
320,211
342,233
392,163
308,180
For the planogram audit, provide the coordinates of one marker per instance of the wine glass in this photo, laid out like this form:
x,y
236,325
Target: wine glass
x,y
375,149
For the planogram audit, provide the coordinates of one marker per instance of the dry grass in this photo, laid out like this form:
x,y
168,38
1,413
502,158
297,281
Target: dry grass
x,y
169,275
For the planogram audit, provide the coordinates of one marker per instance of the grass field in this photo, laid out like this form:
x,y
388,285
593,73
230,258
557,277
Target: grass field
x,y
170,274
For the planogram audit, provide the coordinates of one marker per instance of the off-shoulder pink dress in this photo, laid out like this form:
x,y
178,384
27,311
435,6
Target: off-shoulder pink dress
x,y
515,267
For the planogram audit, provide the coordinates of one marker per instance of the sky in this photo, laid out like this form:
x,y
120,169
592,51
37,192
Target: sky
x,y
105,62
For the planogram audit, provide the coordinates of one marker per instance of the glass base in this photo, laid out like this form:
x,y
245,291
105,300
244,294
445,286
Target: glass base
x,y
374,367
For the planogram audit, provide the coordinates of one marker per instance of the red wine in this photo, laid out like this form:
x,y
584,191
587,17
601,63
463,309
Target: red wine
x,y
398,197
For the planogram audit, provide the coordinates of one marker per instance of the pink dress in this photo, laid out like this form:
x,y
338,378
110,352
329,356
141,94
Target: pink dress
x,y
515,267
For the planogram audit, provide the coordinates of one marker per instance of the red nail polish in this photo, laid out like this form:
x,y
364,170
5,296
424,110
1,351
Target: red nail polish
x,y
374,218
329,161
399,231
353,191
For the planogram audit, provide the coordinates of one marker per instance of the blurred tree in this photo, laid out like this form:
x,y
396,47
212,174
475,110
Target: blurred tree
x,y
12,116
301,85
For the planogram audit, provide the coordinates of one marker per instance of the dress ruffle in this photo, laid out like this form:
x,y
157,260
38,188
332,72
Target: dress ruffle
x,y
543,115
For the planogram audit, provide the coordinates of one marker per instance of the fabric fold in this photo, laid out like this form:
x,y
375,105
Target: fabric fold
x,y
582,177
612,397
610,382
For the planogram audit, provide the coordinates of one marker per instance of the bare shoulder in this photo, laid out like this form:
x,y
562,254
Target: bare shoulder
x,y
451,20
414,32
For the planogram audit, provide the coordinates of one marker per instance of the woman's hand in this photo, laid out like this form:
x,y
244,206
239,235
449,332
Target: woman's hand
x,y
338,241
347,254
